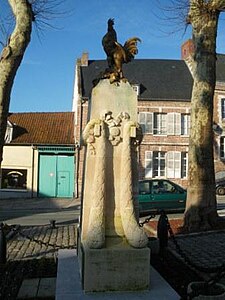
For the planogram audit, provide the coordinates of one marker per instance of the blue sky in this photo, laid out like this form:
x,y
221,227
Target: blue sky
x,y
45,79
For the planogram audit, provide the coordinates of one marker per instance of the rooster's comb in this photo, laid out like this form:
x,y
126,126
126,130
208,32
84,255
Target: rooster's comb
x,y
110,21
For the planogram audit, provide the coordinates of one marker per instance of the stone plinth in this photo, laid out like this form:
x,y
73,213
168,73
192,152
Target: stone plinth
x,y
117,267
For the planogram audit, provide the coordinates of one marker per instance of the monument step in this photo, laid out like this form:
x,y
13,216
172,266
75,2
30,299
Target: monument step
x,y
68,283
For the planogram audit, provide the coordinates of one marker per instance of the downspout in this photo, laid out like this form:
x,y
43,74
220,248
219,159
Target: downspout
x,y
78,148
77,100
77,157
32,172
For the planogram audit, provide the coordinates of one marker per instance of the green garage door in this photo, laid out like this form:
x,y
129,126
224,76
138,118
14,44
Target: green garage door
x,y
56,175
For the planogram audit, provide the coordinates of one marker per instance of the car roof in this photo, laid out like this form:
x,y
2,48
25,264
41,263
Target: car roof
x,y
155,179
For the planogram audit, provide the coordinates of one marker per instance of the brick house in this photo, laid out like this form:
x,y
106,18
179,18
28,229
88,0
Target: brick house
x,y
39,156
163,88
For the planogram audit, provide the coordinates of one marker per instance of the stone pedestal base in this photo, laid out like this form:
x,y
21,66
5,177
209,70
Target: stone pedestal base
x,y
118,267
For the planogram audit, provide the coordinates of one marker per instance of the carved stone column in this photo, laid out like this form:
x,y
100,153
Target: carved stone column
x,y
112,245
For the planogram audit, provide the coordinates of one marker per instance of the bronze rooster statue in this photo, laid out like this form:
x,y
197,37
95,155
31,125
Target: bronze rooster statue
x,y
117,54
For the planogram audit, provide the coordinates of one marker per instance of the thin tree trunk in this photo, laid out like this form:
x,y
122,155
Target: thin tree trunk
x,y
201,212
11,58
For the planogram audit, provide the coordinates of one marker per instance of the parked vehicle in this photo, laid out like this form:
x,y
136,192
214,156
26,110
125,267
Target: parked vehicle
x,y
157,194
220,187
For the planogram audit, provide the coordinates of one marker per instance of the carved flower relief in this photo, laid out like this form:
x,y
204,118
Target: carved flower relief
x,y
113,125
90,141
114,130
114,135
94,132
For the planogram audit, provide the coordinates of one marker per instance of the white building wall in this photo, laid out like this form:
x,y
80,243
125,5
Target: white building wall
x,y
21,157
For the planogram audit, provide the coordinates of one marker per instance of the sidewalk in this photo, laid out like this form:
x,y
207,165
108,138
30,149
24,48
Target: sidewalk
x,y
39,203
39,211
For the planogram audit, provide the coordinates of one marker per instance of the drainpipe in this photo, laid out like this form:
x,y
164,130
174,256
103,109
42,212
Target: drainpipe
x,y
78,148
77,102
32,170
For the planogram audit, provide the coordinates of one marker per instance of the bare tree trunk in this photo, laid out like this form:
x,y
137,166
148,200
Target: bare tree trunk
x,y
11,58
201,212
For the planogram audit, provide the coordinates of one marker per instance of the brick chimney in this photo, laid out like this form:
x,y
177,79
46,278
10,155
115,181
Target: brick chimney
x,y
84,59
187,49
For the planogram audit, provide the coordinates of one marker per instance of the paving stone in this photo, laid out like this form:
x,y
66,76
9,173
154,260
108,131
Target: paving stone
x,y
46,288
22,252
28,289
202,248
19,247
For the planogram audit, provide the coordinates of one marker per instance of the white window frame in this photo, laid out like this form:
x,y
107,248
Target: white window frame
x,y
185,124
174,161
173,164
184,160
146,122
160,156
148,164
136,88
173,123
159,124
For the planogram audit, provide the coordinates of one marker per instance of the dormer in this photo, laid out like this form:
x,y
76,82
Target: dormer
x,y
8,132
136,88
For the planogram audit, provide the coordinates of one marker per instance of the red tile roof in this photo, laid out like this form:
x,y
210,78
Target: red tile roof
x,y
51,128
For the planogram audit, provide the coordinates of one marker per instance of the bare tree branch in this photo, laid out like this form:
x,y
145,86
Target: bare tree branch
x,y
172,16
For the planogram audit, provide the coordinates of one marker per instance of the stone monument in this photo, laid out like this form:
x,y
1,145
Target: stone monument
x,y
112,247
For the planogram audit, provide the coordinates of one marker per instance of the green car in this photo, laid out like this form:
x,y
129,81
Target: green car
x,y
157,194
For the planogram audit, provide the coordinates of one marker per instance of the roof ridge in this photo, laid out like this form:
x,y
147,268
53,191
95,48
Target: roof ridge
x,y
39,112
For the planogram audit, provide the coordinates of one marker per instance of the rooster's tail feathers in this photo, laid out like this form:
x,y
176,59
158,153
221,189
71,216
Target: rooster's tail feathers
x,y
130,47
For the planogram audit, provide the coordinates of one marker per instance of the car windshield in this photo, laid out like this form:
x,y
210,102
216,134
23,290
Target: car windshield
x,y
165,186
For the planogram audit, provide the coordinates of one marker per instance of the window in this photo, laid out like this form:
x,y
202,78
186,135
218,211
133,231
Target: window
x,y
169,187
144,187
148,164
223,108
163,187
146,122
222,147
162,123
173,164
136,88
185,124
159,123
154,164
158,164
14,179
184,164
174,123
